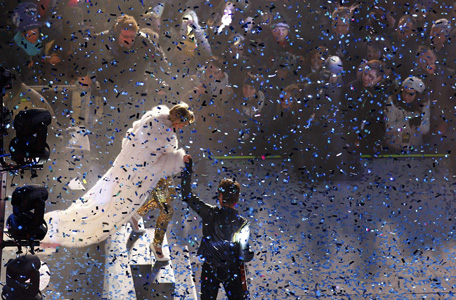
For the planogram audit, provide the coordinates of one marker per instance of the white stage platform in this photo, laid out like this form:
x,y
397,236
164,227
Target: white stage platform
x,y
122,267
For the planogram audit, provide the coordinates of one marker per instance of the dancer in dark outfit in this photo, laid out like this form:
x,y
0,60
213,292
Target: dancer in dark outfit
x,y
224,246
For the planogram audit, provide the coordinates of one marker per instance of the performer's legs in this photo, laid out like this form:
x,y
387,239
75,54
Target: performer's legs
x,y
209,283
150,205
233,285
166,214
164,203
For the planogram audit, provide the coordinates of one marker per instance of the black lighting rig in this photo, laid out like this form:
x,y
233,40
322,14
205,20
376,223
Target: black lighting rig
x,y
26,227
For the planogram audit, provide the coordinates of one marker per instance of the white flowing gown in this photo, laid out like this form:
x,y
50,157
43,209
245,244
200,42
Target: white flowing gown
x,y
149,152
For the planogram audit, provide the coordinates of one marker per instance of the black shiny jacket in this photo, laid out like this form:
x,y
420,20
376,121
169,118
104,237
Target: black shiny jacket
x,y
225,232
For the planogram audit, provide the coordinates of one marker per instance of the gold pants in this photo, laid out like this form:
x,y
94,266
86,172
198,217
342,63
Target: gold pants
x,y
161,197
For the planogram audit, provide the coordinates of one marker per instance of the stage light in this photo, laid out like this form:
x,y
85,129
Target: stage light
x,y
27,221
29,145
23,279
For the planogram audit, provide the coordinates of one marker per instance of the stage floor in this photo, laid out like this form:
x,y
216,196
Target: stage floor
x,y
388,235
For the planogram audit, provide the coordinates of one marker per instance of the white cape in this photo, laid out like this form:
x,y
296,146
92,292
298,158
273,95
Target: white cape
x,y
149,152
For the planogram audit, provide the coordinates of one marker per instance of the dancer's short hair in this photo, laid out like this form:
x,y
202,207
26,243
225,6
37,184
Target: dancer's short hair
x,y
181,113
230,190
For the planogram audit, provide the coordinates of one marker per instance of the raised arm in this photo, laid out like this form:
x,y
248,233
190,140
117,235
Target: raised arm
x,y
186,178
199,206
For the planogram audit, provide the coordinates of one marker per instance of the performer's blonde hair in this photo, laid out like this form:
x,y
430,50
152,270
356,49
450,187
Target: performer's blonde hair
x,y
125,22
181,113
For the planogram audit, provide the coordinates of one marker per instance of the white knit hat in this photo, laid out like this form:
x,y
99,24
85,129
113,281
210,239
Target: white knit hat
x,y
414,83
443,24
334,65
281,24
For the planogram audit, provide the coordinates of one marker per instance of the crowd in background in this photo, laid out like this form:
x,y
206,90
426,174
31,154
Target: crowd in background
x,y
320,83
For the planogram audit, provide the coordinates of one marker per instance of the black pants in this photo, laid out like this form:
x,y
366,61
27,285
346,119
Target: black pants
x,y
211,277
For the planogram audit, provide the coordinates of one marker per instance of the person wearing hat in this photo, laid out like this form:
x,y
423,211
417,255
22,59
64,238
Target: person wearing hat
x,y
335,79
336,68
439,80
440,31
280,32
439,40
279,42
25,18
407,117
24,53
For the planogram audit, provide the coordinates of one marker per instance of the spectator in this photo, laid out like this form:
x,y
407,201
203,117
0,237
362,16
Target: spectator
x,y
289,126
378,48
343,41
440,42
25,52
381,19
316,60
439,82
279,41
151,24
193,45
364,112
280,47
131,72
190,51
284,71
404,46
135,9
421,11
211,80
221,25
60,49
251,112
209,95
407,117
87,106
406,29
238,62
314,22
255,28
